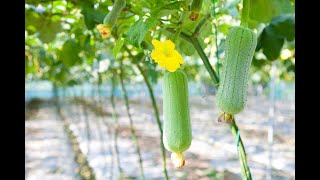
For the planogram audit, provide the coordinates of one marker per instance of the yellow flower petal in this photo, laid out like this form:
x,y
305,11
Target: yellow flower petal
x,y
166,56
157,44
169,44
162,62
178,57
155,54
172,66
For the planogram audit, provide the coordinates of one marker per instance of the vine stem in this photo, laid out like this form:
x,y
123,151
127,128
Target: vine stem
x,y
216,37
246,174
100,102
200,25
203,56
245,13
133,132
116,125
155,108
206,62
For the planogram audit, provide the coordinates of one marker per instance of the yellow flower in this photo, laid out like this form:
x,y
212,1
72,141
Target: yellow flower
x,y
166,56
104,30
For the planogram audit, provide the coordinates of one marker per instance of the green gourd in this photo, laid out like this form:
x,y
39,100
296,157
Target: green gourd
x,y
195,9
112,17
240,45
177,135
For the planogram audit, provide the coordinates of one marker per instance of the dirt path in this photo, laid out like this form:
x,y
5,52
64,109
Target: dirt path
x,y
48,154
213,147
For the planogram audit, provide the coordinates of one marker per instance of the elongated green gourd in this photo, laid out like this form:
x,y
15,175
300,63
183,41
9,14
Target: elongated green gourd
x,y
239,49
177,135
113,15
195,9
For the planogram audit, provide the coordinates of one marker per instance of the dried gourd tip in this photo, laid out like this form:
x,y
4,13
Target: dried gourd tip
x,y
225,117
194,16
177,159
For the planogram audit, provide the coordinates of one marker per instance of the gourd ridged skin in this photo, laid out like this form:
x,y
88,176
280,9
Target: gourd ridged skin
x,y
239,50
113,15
177,128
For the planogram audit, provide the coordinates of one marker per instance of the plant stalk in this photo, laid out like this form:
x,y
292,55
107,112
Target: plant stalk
x,y
116,125
246,174
155,108
133,132
205,61
245,13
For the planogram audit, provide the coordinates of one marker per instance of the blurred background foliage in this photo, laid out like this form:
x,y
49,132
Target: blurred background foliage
x,y
62,44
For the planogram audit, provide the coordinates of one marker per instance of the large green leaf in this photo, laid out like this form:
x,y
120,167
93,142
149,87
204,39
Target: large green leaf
x,y
138,30
271,43
273,36
284,25
264,10
46,28
89,18
92,16
165,9
185,47
70,54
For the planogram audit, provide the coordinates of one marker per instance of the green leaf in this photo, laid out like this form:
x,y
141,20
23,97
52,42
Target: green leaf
x,y
185,47
284,25
70,54
42,54
259,63
138,30
87,47
118,46
164,9
90,60
45,26
271,43
273,36
264,10
206,30
49,60
72,82
61,76
26,65
91,15
89,18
